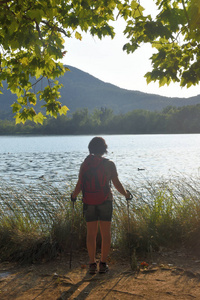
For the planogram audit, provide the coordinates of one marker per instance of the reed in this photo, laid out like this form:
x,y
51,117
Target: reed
x,y
36,222
165,213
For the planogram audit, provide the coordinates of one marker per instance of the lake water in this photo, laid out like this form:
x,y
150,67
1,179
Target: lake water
x,y
27,159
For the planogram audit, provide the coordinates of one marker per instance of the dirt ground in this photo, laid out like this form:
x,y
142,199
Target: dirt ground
x,y
169,275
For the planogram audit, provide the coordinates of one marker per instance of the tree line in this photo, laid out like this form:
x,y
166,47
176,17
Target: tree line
x,y
104,121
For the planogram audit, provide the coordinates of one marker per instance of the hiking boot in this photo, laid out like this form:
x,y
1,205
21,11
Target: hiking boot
x,y
103,267
93,268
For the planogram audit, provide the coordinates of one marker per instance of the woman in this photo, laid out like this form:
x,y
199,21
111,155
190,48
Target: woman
x,y
98,209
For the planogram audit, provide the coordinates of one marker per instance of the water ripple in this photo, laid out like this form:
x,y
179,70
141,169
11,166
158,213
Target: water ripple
x,y
57,159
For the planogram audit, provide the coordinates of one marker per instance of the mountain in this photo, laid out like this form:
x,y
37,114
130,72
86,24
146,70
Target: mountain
x,y
82,90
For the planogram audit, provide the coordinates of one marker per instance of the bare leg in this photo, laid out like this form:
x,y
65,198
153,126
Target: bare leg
x,y
105,228
92,229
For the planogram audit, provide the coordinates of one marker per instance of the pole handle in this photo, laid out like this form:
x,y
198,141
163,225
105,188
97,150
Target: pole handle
x,y
131,196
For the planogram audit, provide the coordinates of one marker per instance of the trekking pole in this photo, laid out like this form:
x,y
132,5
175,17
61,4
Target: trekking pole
x,y
128,210
128,199
72,232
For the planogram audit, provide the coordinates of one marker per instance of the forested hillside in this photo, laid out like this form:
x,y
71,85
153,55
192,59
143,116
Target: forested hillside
x,y
104,121
81,90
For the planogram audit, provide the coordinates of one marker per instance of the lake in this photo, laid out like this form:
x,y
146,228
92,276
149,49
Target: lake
x,y
27,159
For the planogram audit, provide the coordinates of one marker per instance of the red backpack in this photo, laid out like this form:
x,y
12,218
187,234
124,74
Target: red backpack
x,y
95,186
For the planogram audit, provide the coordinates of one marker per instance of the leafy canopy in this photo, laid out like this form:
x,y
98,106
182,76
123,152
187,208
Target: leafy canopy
x,y
175,34
32,34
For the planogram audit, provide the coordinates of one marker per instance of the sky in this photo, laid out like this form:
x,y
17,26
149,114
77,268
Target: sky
x,y
106,60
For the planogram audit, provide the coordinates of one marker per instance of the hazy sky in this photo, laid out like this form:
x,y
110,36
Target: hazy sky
x,y
106,60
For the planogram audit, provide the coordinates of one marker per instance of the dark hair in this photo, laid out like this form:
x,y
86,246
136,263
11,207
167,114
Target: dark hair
x,y
97,146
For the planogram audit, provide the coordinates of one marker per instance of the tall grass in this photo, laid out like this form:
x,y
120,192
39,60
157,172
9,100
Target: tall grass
x,y
164,213
36,222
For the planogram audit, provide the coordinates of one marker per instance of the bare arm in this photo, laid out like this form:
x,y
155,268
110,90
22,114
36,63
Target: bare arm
x,y
118,185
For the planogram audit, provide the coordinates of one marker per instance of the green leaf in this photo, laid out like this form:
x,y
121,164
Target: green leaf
x,y
13,26
16,107
35,14
134,4
1,86
38,72
148,77
137,13
63,110
18,119
39,118
78,36
163,81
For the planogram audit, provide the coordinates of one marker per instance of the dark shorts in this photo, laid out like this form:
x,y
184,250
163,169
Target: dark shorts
x,y
101,212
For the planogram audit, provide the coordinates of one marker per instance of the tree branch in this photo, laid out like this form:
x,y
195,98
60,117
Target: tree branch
x,y
37,81
61,30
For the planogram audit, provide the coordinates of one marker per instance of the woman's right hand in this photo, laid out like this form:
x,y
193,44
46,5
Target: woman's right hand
x,y
128,195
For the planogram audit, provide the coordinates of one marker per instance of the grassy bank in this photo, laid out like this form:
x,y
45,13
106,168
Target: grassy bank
x,y
36,223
